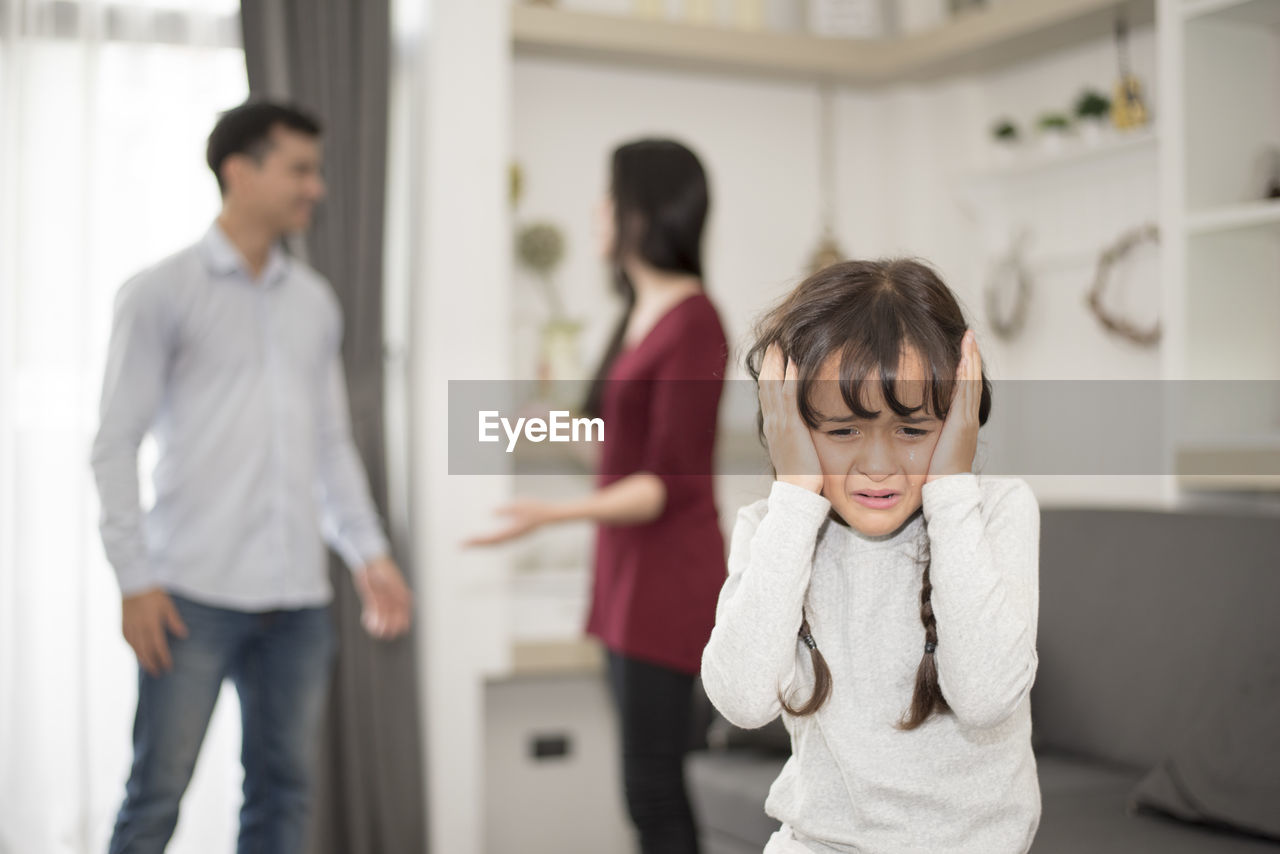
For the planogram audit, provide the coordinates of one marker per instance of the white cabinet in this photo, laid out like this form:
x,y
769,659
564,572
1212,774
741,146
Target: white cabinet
x,y
552,775
1221,129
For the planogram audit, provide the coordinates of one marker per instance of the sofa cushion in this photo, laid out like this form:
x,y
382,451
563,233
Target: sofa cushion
x,y
1084,809
728,789
1136,608
1227,769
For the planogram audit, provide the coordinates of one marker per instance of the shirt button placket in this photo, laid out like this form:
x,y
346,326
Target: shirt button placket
x,y
279,504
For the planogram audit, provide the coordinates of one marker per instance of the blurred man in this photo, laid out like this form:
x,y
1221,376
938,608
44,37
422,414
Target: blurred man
x,y
229,354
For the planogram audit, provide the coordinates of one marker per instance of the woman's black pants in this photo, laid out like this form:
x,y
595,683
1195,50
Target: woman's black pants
x,y
654,706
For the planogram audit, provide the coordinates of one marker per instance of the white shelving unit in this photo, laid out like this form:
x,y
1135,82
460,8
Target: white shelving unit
x,y
1262,214
1220,110
1252,12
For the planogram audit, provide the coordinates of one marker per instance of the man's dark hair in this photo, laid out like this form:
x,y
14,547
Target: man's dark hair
x,y
246,129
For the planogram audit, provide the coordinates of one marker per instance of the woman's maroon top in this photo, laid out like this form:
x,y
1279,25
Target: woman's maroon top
x,y
656,584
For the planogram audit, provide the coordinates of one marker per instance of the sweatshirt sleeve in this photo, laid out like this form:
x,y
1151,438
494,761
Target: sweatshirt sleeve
x,y
984,553
752,652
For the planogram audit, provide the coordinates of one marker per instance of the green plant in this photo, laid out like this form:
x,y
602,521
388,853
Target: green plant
x,y
540,248
1005,131
1054,122
1093,105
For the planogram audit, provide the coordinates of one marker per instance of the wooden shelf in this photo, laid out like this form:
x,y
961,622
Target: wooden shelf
x,y
1245,12
558,657
1235,217
1246,464
973,42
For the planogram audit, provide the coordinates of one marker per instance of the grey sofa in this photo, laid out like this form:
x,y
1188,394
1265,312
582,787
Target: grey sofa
x,y
1144,617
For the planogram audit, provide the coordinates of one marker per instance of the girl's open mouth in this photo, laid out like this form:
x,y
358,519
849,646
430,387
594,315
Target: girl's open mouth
x,y
877,499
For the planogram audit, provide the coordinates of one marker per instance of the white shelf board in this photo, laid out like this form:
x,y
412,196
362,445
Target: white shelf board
x,y
1246,12
556,657
972,42
1243,463
1235,217
1032,162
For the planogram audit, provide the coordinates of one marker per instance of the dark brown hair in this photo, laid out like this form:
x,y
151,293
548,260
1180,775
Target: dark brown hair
x,y
246,129
870,313
660,203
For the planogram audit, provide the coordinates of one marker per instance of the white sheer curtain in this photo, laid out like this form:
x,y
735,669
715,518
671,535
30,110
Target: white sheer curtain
x,y
104,108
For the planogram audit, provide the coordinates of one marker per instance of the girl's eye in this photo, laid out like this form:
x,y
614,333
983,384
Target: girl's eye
x,y
842,432
914,432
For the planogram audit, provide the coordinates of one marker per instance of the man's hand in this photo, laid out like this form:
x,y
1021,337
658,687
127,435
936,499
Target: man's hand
x,y
145,618
388,604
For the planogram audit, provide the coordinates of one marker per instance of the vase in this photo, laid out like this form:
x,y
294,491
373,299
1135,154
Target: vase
x,y
1091,131
559,361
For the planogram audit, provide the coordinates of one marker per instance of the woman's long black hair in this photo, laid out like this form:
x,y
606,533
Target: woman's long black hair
x,y
660,202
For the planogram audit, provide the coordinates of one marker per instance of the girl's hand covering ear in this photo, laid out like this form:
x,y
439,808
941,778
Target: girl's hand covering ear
x,y
795,460
958,442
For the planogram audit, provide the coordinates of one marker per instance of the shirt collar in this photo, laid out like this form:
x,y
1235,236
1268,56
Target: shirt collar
x,y
223,259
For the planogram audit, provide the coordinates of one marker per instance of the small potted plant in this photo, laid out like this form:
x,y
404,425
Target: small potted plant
x,y
1054,128
1005,134
539,249
1092,112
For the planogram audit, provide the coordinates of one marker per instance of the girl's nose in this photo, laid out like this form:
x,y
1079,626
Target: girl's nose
x,y
875,458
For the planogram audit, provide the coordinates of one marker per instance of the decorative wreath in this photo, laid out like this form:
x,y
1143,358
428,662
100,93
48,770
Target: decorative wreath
x,y
1125,244
1009,269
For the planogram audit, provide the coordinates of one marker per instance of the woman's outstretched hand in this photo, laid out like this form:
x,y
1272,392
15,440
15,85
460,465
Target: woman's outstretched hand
x,y
523,516
790,446
958,442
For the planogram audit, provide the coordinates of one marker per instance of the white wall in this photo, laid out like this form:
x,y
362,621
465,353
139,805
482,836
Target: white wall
x,y
450,147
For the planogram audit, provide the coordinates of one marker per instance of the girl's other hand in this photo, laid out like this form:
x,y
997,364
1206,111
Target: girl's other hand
x,y
790,446
524,516
958,442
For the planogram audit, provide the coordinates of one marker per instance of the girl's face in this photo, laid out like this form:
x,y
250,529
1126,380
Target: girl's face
x,y
873,470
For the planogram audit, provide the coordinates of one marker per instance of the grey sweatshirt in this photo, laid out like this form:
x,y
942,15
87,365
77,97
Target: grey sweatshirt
x,y
964,781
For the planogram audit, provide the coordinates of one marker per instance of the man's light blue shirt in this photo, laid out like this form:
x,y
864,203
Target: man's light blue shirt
x,y
241,383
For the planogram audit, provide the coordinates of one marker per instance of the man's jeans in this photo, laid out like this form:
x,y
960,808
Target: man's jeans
x,y
280,662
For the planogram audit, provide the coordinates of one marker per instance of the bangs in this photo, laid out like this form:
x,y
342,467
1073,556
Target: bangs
x,y
868,326
871,364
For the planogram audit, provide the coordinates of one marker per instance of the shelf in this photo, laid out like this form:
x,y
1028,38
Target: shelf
x,y
1030,162
1247,464
1234,217
973,42
569,656
1245,12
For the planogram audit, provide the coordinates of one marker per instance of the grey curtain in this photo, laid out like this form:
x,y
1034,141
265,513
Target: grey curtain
x,y
331,57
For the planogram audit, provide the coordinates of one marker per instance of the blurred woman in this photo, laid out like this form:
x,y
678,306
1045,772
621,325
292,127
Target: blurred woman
x,y
659,554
